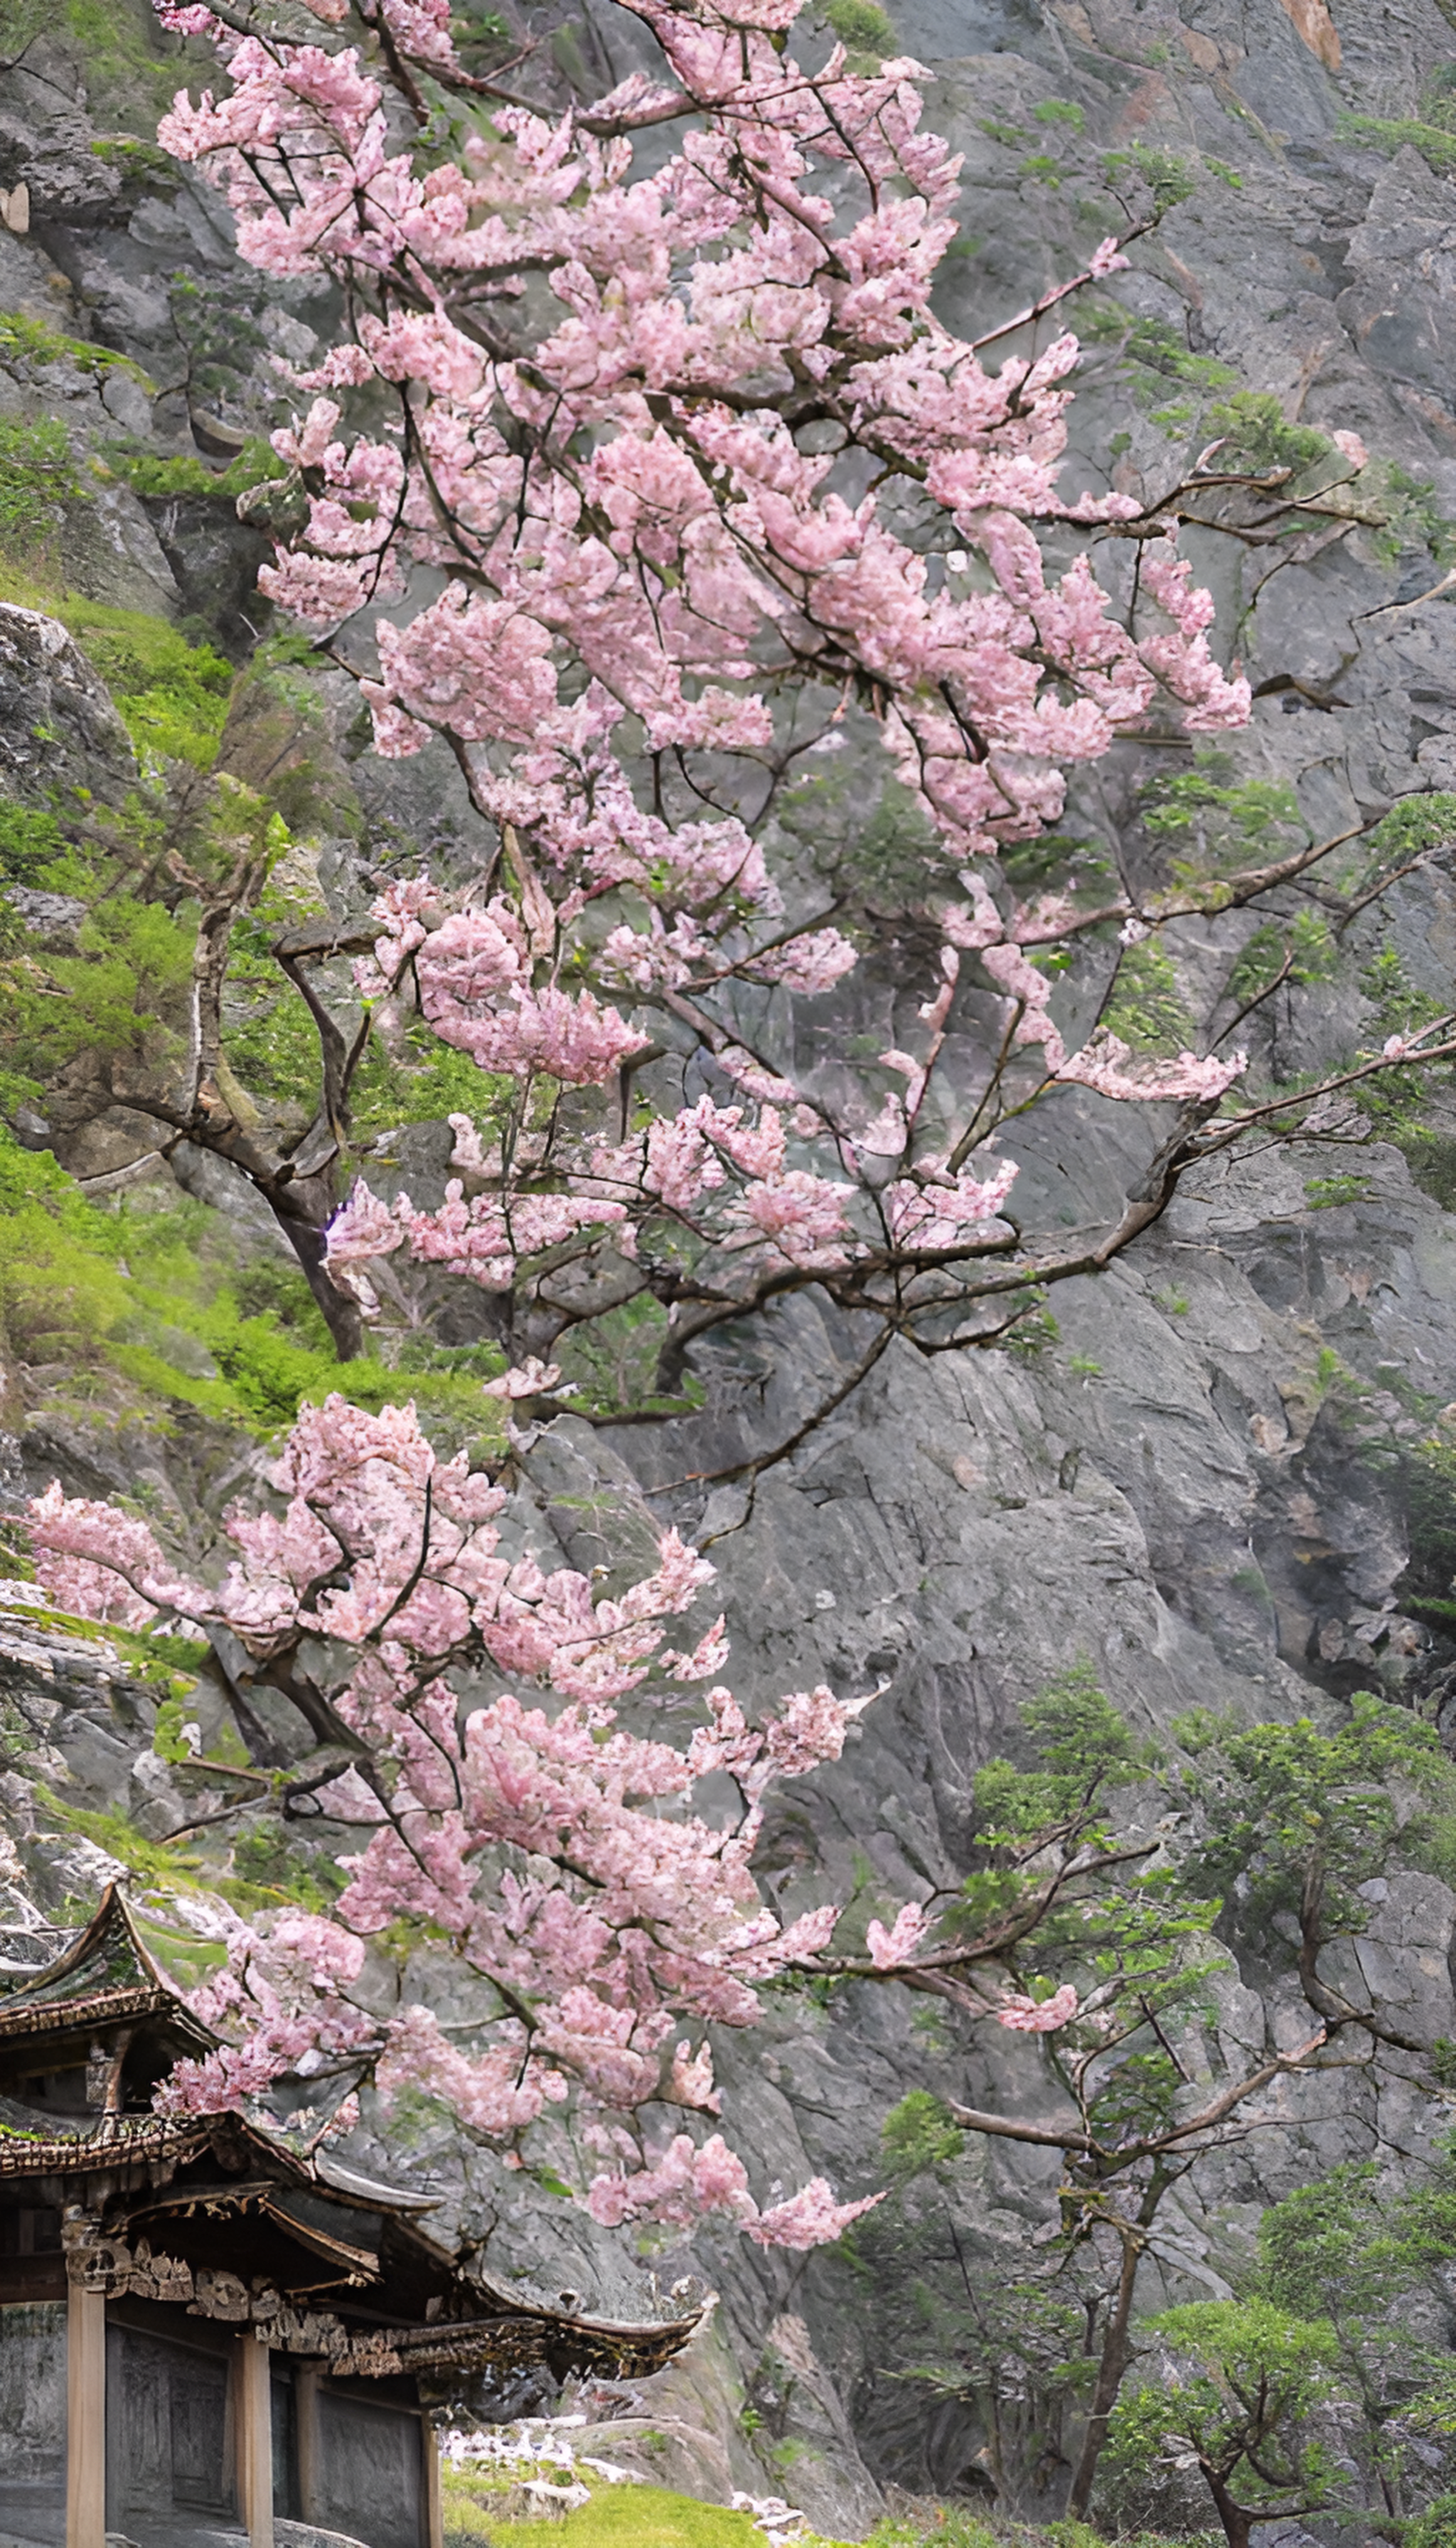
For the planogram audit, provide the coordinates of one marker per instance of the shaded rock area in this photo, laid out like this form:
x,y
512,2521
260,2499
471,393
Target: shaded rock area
x,y
1199,1484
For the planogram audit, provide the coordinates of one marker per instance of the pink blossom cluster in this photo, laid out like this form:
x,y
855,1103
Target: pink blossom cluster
x,y
690,2183
559,437
1106,1066
725,1173
1028,2016
557,1852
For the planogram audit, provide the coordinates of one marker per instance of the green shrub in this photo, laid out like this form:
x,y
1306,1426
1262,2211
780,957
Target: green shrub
x,y
136,1310
30,842
29,341
37,478
147,472
1391,134
172,696
1147,1009
862,27
1256,435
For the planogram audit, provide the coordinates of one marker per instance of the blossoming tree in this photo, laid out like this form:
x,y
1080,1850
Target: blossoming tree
x,y
644,472
563,1859
556,1851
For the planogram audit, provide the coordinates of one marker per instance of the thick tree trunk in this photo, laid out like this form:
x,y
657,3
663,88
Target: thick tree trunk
x,y
1110,2372
342,1315
1238,2524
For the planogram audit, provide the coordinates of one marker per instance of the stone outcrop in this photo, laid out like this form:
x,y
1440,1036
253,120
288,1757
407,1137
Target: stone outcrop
x,y
58,725
1198,1485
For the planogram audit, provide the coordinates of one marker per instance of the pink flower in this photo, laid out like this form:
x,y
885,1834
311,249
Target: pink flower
x,y
896,1946
530,1379
809,2219
1037,2017
1106,1066
1105,260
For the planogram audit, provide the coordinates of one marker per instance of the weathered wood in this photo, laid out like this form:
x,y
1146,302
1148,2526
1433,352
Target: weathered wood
x,y
255,2440
433,2526
85,2418
305,2409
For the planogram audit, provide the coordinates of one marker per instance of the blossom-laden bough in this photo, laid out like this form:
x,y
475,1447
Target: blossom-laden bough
x,y
641,473
557,1852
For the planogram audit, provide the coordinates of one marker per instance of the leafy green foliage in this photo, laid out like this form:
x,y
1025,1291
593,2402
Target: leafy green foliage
x,y
863,28
24,339
113,997
1344,2252
888,854
1392,132
481,33
172,695
276,1870
614,1361
1149,351
1409,517
1327,1194
1244,2380
143,167
37,478
1213,823
1055,860
1035,1331
217,331
147,1858
1299,1819
1410,829
1169,178
1084,1751
421,1082
1395,1101
1429,1484
139,1314
151,474
1146,1006
919,2133
1298,951
619,2517
31,840
1435,2527
1256,435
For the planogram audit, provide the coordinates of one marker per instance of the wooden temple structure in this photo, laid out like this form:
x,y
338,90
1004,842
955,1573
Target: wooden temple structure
x,y
204,2327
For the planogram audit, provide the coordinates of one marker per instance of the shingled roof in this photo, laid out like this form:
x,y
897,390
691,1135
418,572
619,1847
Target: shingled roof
x,y
196,2183
106,1977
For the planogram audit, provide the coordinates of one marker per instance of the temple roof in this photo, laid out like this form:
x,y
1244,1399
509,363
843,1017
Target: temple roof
x,y
108,1977
199,2183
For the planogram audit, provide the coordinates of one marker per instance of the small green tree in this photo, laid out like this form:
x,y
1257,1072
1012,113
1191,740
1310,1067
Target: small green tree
x,y
995,2332
1234,2400
1340,2251
1299,1819
1104,1947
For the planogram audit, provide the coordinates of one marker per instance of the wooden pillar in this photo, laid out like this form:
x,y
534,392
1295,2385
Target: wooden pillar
x,y
85,2417
255,2440
306,2408
434,2524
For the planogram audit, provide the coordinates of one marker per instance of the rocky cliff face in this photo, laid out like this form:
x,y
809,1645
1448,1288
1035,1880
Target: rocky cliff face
x,y
1200,1484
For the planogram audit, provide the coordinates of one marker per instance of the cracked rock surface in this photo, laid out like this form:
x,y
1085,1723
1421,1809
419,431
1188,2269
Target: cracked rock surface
x,y
1198,1485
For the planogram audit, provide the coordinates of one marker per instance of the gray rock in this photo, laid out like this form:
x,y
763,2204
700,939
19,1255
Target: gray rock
x,y
55,918
58,725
